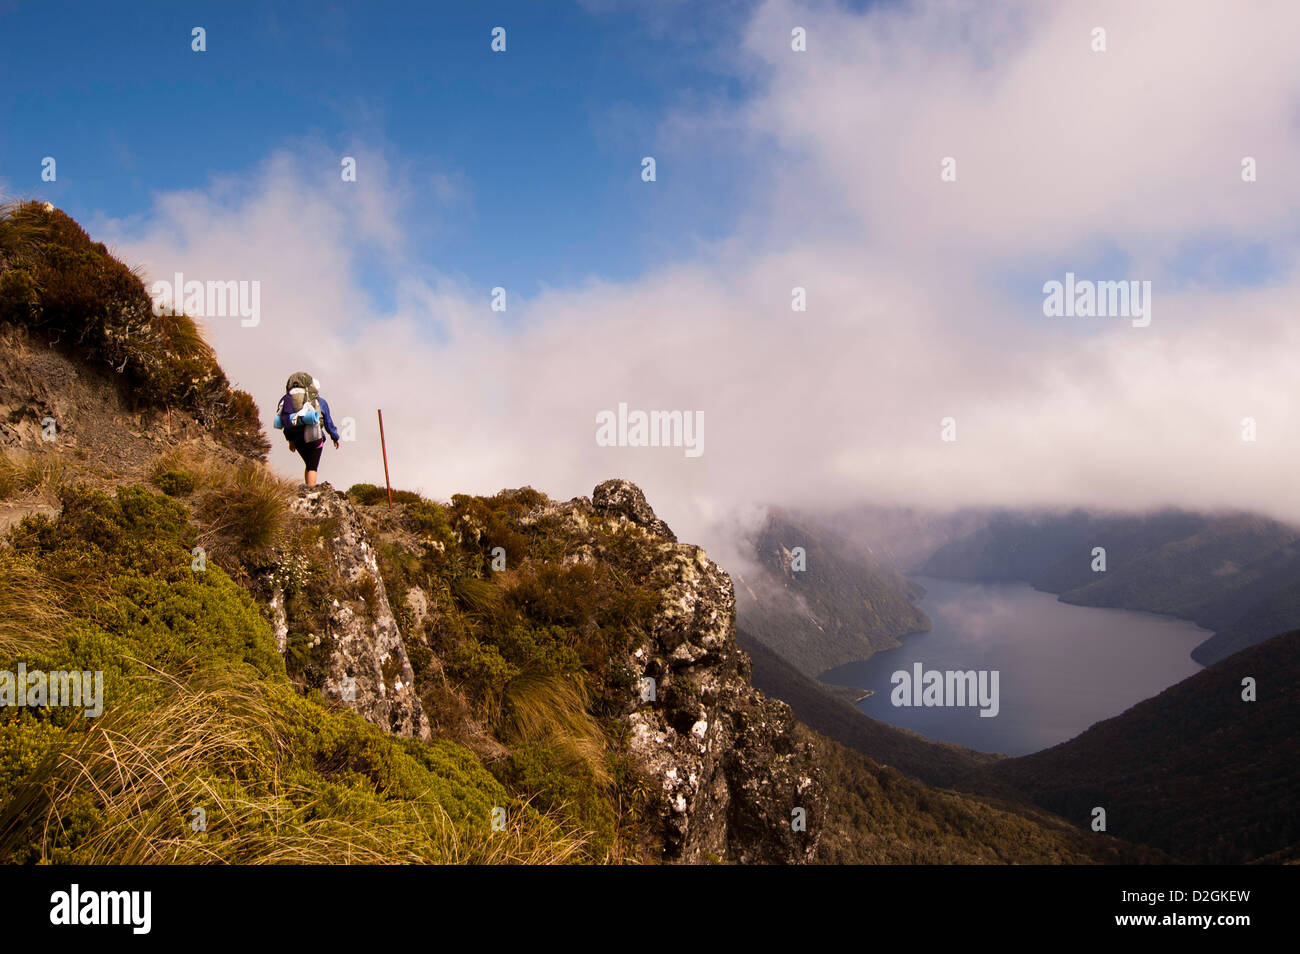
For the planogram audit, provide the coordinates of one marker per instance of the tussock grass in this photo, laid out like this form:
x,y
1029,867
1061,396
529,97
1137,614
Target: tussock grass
x,y
22,229
207,469
30,610
242,509
146,769
38,475
481,597
43,476
181,335
244,513
551,710
8,478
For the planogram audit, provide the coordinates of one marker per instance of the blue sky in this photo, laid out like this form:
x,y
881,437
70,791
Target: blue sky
x,y
520,168
777,168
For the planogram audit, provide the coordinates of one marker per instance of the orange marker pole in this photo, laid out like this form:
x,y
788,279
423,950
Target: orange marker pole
x,y
384,448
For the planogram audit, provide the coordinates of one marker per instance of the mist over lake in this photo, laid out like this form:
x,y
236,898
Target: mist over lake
x,y
1061,667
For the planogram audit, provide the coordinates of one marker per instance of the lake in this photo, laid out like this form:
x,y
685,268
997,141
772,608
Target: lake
x,y
1060,668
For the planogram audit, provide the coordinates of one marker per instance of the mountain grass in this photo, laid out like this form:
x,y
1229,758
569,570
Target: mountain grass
x,y
199,713
207,774
244,514
30,607
8,477
36,475
551,709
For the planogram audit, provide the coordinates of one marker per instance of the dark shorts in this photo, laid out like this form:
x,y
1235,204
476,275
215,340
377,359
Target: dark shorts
x,y
310,454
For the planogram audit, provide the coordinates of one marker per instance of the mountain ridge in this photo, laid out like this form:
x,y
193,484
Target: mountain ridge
x,y
1195,770
328,680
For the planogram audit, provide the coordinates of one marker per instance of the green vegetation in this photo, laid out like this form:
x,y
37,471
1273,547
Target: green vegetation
x,y
199,714
245,515
880,816
63,288
37,475
175,483
533,652
369,495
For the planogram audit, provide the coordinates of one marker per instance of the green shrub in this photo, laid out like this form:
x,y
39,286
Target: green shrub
x,y
369,495
427,518
558,784
20,301
175,483
97,536
481,669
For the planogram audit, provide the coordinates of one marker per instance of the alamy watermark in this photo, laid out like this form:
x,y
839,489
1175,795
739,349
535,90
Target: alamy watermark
x,y
214,299
626,428
1075,298
948,687
130,908
38,689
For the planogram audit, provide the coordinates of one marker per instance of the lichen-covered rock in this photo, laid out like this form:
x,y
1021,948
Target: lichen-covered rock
x,y
736,775
369,669
626,499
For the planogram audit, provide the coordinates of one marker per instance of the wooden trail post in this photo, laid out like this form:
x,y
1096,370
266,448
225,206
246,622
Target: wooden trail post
x,y
384,448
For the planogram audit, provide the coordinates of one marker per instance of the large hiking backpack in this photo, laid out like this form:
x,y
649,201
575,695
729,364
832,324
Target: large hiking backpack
x,y
300,413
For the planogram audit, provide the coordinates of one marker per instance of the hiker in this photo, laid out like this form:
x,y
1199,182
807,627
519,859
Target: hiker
x,y
304,416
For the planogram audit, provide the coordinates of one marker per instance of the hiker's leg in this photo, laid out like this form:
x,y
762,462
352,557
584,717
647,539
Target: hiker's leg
x,y
311,458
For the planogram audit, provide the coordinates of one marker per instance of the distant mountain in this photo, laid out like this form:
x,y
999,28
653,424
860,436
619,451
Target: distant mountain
x,y
1195,771
876,815
1236,574
835,603
900,536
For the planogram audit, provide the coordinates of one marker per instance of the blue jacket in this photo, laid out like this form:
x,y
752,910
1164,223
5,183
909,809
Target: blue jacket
x,y
280,419
328,421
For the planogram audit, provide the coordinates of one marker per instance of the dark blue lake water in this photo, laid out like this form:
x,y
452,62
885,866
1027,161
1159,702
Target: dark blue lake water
x,y
1060,667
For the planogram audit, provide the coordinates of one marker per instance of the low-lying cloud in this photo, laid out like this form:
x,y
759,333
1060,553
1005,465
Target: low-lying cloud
x,y
924,297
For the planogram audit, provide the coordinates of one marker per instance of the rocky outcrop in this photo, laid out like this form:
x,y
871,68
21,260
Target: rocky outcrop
x,y
734,777
738,777
627,500
368,668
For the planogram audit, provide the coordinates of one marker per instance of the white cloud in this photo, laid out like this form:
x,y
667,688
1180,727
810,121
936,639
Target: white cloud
x,y
1061,153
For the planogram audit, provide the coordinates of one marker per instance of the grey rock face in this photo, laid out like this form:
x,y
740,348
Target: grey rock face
x,y
369,668
626,499
737,776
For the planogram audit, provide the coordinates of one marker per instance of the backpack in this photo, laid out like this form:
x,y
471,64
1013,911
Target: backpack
x,y
300,413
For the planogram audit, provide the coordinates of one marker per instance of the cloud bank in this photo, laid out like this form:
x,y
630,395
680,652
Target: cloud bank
x,y
924,296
